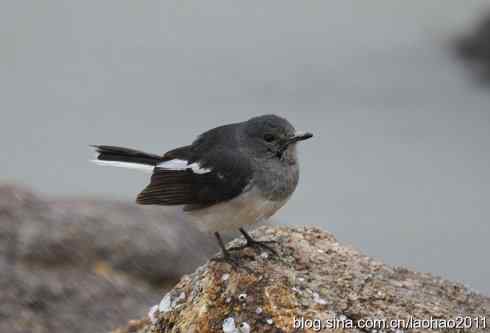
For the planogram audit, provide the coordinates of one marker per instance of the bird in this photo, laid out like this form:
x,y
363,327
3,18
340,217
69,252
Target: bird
x,y
228,178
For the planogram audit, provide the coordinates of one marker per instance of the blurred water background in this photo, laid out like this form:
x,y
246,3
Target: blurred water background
x,y
399,166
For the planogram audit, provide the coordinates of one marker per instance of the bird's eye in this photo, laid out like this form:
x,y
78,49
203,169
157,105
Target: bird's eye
x,y
269,137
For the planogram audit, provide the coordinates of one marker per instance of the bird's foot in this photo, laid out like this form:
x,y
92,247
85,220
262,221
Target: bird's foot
x,y
250,242
227,257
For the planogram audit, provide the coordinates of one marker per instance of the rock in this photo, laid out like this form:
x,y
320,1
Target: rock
x,y
313,278
84,265
88,265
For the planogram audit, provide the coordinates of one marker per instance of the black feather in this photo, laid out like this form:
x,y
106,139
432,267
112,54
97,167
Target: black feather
x,y
198,190
121,154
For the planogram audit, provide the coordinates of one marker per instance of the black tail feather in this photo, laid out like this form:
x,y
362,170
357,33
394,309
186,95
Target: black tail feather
x,y
120,154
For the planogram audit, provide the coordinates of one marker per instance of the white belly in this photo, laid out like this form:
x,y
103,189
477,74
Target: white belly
x,y
248,208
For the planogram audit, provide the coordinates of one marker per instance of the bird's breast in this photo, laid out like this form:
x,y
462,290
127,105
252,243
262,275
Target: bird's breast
x,y
278,179
248,208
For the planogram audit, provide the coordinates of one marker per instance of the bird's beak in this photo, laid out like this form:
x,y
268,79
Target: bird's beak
x,y
300,136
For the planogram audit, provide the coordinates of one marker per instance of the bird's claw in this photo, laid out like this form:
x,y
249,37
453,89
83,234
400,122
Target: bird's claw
x,y
256,244
233,261
250,242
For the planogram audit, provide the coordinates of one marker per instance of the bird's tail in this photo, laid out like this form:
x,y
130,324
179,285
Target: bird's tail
x,y
125,157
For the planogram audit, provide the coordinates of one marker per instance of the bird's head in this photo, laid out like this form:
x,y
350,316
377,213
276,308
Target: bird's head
x,y
272,136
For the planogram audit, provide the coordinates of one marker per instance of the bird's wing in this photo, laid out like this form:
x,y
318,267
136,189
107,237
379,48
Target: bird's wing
x,y
183,178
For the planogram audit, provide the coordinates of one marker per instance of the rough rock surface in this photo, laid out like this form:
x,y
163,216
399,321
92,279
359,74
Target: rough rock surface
x,y
314,277
87,265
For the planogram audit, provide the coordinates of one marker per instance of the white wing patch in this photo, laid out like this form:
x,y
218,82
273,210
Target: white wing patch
x,y
178,165
137,166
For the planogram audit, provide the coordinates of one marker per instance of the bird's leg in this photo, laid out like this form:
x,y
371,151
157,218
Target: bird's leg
x,y
222,245
227,257
250,242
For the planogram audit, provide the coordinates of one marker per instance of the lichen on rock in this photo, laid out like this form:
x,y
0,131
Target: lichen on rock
x,y
312,278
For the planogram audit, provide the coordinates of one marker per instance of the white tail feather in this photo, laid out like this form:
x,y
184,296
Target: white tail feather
x,y
127,165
